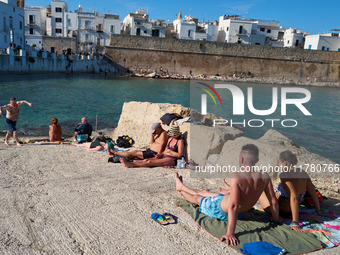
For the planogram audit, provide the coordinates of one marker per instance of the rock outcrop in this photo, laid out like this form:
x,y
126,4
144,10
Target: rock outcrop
x,y
201,138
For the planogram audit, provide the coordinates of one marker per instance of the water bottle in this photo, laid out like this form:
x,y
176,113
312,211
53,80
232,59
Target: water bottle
x,y
181,163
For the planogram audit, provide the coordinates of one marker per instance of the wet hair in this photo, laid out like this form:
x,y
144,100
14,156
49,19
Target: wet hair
x,y
12,99
288,156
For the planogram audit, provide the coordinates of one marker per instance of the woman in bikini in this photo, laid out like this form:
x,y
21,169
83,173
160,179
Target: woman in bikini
x,y
98,144
290,192
173,151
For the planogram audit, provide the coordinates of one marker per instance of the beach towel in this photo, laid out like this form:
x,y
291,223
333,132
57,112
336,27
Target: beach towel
x,y
327,231
261,248
249,230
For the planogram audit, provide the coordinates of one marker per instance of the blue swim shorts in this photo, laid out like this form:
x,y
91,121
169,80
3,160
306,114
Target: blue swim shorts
x,y
11,125
211,206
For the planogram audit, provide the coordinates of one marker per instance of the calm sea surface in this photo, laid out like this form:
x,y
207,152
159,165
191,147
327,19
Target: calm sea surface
x,y
70,97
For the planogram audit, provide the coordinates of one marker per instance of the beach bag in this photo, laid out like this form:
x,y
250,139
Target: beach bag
x,y
82,138
180,163
168,117
125,141
308,200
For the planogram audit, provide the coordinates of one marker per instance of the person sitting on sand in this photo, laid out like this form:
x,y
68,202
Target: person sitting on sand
x,y
83,128
245,189
167,158
98,144
159,139
54,131
290,192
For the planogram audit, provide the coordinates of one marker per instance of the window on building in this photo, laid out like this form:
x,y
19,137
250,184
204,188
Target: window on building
x,y
189,33
227,29
145,31
31,31
269,31
58,20
323,48
262,29
138,31
112,29
10,22
20,41
87,37
58,9
98,41
155,32
297,43
58,31
240,29
20,25
87,24
327,49
69,22
31,19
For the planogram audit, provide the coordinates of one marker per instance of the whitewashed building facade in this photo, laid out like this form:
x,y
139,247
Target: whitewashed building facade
x,y
12,22
324,42
35,27
139,24
293,38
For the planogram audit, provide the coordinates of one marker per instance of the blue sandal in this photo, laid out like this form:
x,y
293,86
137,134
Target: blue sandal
x,y
159,218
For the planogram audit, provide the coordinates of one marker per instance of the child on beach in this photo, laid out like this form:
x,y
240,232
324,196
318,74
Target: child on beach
x,y
291,190
243,193
54,131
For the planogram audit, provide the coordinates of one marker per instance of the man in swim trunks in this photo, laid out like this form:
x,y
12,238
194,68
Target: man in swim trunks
x,y
12,115
159,138
245,189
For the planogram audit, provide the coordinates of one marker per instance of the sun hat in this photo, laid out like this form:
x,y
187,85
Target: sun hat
x,y
154,127
54,121
174,131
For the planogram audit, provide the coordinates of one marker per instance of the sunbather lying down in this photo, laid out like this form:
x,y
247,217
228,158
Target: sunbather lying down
x,y
173,151
243,193
98,144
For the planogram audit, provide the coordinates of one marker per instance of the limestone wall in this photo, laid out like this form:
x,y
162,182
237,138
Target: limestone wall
x,y
181,56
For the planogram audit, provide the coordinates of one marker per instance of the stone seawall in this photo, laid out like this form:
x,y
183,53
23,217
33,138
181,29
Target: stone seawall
x,y
183,56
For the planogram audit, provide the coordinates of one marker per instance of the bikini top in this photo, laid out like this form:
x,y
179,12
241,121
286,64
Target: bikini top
x,y
174,148
282,192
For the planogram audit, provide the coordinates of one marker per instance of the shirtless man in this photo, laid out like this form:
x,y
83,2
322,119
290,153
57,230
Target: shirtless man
x,y
245,189
159,138
12,115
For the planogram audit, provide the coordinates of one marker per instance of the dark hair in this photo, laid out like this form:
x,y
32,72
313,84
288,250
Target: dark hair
x,y
289,157
252,149
12,99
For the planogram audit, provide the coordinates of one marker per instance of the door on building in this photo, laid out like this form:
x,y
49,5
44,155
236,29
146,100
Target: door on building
x,y
98,41
155,32
297,43
240,30
138,31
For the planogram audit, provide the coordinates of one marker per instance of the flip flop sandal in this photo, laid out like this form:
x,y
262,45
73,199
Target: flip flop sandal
x,y
159,219
169,218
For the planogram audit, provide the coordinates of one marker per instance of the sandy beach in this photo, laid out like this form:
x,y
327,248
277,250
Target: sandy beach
x,y
58,199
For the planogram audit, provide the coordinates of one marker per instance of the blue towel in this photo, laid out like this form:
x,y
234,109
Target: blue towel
x,y
261,248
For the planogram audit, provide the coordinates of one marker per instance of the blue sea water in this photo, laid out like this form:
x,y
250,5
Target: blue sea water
x,y
70,97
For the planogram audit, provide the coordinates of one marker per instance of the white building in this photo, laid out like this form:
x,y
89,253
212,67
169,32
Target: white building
x,y
233,30
188,28
105,26
35,27
139,24
12,21
293,38
327,42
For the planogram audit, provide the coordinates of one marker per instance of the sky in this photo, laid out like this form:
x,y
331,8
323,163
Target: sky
x,y
312,16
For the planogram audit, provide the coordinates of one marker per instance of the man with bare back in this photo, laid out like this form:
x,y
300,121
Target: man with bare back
x,y
159,138
12,115
245,189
